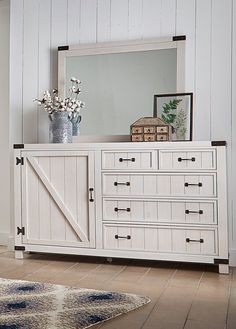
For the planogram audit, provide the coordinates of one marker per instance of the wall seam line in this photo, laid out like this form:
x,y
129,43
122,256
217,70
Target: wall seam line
x,y
22,74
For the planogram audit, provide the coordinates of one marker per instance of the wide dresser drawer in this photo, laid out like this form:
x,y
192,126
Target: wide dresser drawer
x,y
160,239
161,184
179,159
158,211
130,160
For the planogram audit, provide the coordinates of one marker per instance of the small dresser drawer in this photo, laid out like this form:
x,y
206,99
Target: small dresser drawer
x,y
160,239
162,138
137,130
140,160
162,130
194,185
202,159
149,137
137,138
160,211
149,130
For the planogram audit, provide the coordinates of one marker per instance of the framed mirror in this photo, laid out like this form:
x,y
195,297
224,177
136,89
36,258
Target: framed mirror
x,y
119,80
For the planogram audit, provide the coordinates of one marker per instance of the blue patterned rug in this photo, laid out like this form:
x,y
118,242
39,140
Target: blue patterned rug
x,y
29,305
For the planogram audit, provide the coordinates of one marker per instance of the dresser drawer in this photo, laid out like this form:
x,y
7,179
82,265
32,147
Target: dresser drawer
x,y
202,159
160,239
149,137
140,160
149,130
137,130
162,137
159,211
161,130
137,138
194,185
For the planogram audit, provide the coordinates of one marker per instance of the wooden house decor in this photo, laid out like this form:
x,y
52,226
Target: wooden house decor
x,y
150,130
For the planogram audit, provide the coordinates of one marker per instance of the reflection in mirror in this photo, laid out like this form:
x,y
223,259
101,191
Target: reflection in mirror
x,y
118,87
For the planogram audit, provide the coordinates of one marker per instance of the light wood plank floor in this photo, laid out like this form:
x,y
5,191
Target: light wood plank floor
x,y
183,295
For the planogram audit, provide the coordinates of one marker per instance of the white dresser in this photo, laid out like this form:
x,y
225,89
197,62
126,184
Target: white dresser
x,y
160,201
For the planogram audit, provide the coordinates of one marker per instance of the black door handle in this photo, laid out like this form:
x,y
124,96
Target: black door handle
x,y
91,199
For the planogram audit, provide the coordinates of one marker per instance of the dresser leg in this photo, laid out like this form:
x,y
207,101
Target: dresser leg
x,y
19,254
223,269
109,259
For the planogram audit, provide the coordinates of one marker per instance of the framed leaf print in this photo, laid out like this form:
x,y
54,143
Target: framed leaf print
x,y
177,111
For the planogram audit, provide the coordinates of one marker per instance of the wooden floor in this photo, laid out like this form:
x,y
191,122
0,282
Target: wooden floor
x,y
183,296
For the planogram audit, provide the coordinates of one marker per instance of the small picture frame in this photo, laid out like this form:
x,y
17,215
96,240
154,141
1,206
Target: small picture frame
x,y
177,111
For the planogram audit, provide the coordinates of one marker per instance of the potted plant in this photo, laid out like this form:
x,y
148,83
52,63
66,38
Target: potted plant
x,y
64,114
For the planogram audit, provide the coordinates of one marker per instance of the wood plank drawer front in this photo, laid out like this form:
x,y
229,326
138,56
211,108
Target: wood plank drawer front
x,y
181,212
161,130
160,239
137,130
149,137
198,185
143,160
202,159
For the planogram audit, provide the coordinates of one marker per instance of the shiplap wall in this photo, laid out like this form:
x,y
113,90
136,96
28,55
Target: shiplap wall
x,y
39,26
4,122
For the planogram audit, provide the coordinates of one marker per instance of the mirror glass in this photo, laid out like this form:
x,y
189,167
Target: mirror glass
x,y
118,85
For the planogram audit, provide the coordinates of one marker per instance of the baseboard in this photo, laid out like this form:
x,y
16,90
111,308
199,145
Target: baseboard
x,y
4,237
232,257
7,240
10,243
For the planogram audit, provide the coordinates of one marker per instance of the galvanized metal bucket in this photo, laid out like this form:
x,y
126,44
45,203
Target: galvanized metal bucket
x,y
60,128
76,125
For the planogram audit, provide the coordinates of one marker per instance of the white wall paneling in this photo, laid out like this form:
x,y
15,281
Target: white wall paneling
x,y
74,21
88,26
221,79
4,123
59,33
16,113
104,21
135,19
203,69
151,18
233,145
44,64
119,19
221,70
168,17
16,70
38,27
186,24
30,68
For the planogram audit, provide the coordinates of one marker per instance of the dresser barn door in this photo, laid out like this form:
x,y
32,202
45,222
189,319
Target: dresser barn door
x,y
57,206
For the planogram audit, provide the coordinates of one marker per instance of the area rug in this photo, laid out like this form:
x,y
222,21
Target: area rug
x,y
29,305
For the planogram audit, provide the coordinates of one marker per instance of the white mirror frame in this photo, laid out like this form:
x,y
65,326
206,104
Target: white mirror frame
x,y
177,42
